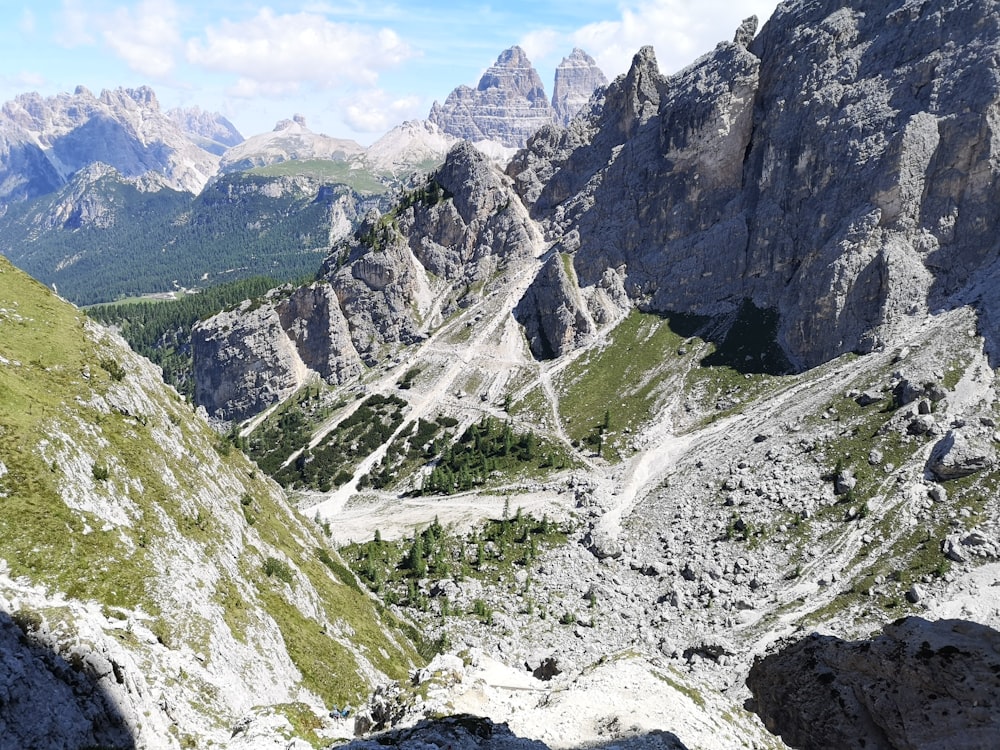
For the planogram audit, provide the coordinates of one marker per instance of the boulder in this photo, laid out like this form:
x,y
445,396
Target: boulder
x,y
959,454
919,684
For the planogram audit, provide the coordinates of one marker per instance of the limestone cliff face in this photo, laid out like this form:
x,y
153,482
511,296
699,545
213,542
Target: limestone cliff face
x,y
835,169
508,105
918,684
577,78
402,273
388,285
251,357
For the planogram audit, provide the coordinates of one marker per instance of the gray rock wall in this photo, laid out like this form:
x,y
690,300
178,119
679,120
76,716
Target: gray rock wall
x,y
380,290
836,170
577,78
507,106
510,104
918,684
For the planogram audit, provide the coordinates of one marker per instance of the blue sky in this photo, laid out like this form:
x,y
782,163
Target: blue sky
x,y
353,69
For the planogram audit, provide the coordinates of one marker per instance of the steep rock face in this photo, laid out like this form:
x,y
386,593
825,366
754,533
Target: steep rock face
x,y
919,684
554,320
444,238
290,140
388,285
43,142
210,130
577,78
244,362
508,105
840,158
249,358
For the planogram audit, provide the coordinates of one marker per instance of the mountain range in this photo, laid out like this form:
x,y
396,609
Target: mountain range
x,y
103,197
678,429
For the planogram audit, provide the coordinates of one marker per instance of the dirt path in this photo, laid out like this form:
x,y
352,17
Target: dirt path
x,y
479,346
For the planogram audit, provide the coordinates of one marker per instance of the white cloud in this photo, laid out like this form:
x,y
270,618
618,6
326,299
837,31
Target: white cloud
x,y
375,111
146,37
27,23
75,24
23,81
540,44
679,30
278,53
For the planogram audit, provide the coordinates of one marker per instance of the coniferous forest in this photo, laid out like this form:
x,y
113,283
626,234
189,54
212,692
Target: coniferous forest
x,y
122,242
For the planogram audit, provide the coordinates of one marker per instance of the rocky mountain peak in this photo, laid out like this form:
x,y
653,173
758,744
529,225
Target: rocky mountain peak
x,y
46,140
210,130
297,121
290,140
513,73
577,78
746,32
510,104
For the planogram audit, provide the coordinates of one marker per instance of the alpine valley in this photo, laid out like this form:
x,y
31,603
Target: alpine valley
x,y
670,423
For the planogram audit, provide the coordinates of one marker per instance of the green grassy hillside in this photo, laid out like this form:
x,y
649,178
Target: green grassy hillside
x,y
114,495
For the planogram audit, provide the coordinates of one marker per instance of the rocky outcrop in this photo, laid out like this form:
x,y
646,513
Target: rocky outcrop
x,y
554,318
244,362
251,357
508,105
440,241
44,141
919,684
387,285
577,78
833,169
32,674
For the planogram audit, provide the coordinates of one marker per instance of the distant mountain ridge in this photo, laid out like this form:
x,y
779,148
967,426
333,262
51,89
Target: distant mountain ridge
x,y
45,141
290,140
93,189
210,130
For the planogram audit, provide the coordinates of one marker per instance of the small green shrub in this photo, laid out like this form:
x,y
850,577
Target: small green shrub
x,y
483,611
113,368
273,567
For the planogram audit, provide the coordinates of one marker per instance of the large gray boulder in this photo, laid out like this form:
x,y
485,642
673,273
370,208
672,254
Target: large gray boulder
x,y
920,684
959,454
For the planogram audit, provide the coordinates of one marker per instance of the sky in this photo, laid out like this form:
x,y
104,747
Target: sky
x,y
352,69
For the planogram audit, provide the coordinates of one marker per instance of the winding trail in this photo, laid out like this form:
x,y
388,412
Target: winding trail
x,y
459,357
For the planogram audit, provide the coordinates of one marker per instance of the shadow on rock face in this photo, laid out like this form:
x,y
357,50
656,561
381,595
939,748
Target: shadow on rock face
x,y
466,732
51,702
918,684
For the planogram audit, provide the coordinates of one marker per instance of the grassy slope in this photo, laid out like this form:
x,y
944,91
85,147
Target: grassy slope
x,y
111,491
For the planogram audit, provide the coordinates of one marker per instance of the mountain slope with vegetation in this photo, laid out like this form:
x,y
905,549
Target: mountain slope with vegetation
x,y
104,238
156,561
740,316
